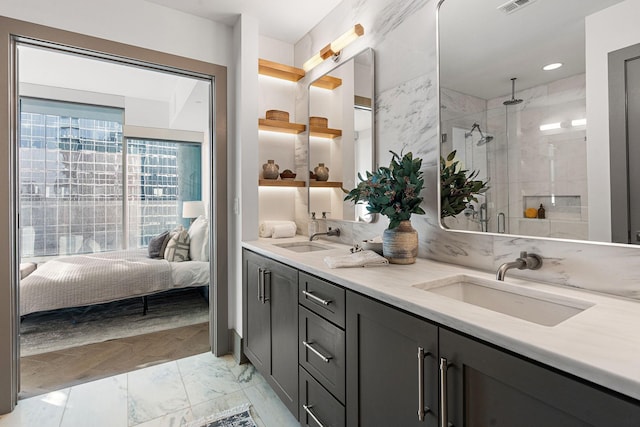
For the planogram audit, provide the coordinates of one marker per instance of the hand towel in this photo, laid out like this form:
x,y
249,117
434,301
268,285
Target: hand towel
x,y
358,259
283,230
266,228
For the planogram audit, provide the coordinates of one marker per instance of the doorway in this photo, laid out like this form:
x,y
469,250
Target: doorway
x,y
20,33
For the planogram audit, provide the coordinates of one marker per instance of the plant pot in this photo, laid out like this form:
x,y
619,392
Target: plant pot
x,y
400,244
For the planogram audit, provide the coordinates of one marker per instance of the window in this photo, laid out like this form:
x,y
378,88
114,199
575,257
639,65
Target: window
x,y
72,170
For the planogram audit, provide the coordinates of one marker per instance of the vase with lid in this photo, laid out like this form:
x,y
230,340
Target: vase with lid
x,y
322,172
270,170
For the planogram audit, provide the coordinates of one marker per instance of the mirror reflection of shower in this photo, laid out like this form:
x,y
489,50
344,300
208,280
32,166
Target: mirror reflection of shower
x,y
483,138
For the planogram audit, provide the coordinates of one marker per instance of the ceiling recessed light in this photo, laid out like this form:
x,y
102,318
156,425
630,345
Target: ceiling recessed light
x,y
553,66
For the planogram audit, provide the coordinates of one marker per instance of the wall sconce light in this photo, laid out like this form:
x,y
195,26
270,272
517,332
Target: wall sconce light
x,y
334,48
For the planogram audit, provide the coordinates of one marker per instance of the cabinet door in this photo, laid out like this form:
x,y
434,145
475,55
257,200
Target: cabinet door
x,y
487,386
392,377
270,318
256,313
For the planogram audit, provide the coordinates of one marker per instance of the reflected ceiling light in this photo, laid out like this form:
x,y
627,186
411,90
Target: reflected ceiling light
x,y
334,47
551,126
579,122
553,66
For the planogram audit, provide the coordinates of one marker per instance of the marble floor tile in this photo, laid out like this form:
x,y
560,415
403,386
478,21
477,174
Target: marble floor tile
x,y
207,377
174,419
104,402
269,408
45,410
247,375
154,392
221,404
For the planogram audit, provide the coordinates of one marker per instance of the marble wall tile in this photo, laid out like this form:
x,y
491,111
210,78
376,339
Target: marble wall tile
x,y
104,402
406,118
154,392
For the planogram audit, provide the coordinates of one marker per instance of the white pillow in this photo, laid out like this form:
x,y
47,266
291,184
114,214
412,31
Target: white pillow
x,y
199,234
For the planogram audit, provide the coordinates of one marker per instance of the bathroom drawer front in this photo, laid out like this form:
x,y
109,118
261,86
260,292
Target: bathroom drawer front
x,y
323,356
322,298
320,403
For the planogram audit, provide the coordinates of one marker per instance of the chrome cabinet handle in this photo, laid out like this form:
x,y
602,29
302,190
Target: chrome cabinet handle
x,y
262,277
444,418
261,285
324,358
316,299
312,415
422,409
267,275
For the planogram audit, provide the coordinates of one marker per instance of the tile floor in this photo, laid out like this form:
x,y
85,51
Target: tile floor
x,y
170,394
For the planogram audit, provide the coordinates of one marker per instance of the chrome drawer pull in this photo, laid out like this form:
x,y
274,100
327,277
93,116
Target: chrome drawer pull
x,y
312,415
444,407
324,358
316,299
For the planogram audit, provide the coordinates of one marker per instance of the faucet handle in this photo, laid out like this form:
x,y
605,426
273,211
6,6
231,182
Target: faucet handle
x,y
533,261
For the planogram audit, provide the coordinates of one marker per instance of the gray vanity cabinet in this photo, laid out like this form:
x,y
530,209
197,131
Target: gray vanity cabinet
x,y
270,323
483,385
392,375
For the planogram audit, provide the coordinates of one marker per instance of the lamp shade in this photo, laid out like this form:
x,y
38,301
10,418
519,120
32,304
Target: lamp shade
x,y
192,209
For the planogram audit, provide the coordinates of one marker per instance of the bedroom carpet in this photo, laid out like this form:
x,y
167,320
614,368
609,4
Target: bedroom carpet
x,y
66,328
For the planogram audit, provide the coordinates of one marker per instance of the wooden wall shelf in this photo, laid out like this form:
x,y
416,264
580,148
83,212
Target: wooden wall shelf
x,y
327,82
280,126
279,71
326,184
280,183
324,132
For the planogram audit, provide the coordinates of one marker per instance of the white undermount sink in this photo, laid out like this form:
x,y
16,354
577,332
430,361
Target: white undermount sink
x,y
535,306
303,246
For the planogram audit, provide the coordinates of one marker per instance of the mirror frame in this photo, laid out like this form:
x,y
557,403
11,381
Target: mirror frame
x,y
439,191
339,62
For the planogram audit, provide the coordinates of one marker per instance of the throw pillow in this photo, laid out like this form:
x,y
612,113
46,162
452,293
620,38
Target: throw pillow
x,y
199,234
157,245
178,247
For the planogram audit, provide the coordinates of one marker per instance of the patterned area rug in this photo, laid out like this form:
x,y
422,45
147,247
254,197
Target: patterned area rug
x,y
71,327
236,417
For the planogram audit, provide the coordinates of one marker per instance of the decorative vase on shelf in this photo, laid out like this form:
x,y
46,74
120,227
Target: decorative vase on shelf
x,y
322,172
400,244
270,170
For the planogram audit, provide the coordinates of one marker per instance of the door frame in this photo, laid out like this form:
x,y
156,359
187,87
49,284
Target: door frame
x,y
11,31
619,142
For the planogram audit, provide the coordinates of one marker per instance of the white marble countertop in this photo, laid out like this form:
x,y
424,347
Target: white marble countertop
x,y
601,344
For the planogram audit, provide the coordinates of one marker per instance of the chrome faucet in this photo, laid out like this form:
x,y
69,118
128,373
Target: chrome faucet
x,y
329,232
524,262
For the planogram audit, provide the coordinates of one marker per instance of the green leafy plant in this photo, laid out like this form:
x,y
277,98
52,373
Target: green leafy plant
x,y
392,191
457,189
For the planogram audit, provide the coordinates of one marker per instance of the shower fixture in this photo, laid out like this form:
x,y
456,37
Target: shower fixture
x,y
483,138
513,100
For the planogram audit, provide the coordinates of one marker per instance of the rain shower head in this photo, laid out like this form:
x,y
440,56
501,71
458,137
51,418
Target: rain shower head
x,y
513,100
483,138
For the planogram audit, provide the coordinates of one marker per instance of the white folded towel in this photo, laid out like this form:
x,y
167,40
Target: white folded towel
x,y
266,228
358,259
283,230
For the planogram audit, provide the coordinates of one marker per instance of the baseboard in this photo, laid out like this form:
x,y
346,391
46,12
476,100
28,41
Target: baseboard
x,y
235,344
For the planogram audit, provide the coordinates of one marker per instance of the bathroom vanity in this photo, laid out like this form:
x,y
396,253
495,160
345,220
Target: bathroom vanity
x,y
398,345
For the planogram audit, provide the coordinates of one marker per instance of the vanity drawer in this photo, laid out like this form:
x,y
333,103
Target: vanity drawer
x,y
322,351
322,298
318,403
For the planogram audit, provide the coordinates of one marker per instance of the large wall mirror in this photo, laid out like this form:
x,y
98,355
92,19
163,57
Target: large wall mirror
x,y
341,136
525,90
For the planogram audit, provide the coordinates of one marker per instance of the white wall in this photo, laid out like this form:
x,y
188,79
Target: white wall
x,y
600,40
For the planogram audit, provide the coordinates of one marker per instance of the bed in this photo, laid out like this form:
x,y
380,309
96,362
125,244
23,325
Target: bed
x,y
86,279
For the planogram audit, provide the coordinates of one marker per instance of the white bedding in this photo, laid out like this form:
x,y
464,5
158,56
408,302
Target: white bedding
x,y
97,278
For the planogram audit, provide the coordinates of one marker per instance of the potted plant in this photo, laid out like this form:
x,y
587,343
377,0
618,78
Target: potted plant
x,y
457,189
394,192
